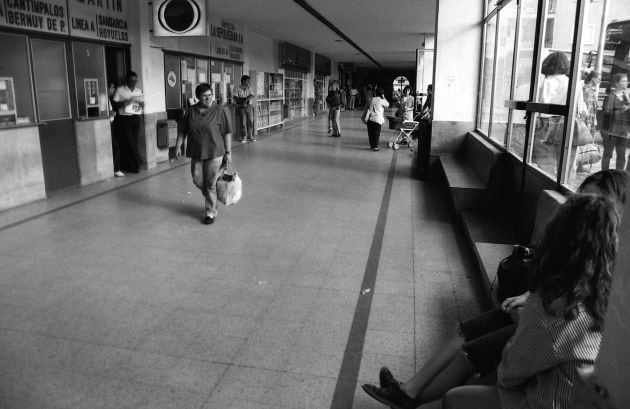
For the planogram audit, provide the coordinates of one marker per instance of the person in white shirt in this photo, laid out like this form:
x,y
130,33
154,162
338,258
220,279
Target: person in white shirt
x,y
130,101
353,97
553,89
377,118
244,108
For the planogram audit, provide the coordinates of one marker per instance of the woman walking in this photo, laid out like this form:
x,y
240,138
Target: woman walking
x,y
377,118
209,130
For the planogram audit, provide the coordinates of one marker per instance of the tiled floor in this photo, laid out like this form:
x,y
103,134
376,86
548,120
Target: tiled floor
x,y
125,300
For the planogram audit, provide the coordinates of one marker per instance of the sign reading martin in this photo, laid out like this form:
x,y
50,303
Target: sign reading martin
x,y
179,18
48,16
100,19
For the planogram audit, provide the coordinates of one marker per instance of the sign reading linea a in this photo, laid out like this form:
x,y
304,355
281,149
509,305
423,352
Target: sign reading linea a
x,y
48,16
100,19
179,18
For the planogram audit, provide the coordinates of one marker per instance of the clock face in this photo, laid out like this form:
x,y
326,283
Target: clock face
x,y
171,79
179,16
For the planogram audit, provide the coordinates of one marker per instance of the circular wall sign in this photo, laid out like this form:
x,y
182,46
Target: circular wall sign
x,y
171,79
179,16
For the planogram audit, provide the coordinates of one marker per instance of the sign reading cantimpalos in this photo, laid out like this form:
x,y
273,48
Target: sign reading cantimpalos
x,y
99,19
179,18
48,16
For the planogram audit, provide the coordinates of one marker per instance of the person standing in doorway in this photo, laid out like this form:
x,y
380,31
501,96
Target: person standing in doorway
x,y
130,101
111,90
334,102
245,108
208,128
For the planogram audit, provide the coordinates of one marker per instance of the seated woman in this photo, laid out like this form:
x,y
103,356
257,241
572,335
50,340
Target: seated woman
x,y
538,364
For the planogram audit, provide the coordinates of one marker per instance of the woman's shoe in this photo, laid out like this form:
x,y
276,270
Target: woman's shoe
x,y
385,378
391,396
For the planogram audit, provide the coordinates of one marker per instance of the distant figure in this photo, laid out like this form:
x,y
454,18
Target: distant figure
x,y
617,117
407,103
369,93
334,101
354,93
589,93
428,104
377,118
130,102
208,128
245,110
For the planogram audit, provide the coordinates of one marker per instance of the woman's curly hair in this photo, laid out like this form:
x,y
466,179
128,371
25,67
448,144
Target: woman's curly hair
x,y
556,63
576,254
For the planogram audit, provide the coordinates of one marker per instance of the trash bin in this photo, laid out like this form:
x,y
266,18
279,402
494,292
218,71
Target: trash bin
x,y
166,133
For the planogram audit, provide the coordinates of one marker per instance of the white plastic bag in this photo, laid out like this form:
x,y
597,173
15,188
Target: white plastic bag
x,y
229,187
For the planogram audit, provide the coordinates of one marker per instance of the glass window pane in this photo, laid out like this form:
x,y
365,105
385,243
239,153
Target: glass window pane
x,y
605,57
486,85
51,80
16,96
553,81
189,81
503,75
89,71
216,68
202,70
522,80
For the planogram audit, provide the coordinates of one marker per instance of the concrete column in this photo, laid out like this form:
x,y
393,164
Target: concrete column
x,y
456,73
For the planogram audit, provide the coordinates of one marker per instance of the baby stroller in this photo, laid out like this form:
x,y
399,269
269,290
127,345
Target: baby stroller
x,y
405,130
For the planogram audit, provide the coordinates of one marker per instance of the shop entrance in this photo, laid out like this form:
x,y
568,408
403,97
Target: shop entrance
x,y
56,135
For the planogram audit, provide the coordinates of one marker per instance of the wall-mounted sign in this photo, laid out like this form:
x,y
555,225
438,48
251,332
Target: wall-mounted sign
x,y
48,16
179,18
227,39
171,78
99,19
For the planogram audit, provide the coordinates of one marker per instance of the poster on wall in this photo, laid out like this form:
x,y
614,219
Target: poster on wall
x,y
226,38
172,18
99,20
48,16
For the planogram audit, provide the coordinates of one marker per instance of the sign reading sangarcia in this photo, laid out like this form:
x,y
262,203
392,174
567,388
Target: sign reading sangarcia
x,y
36,15
99,19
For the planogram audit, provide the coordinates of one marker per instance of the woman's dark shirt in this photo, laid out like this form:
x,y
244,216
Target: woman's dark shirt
x,y
205,131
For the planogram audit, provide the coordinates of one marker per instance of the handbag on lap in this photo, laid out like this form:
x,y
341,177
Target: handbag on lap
x,y
515,274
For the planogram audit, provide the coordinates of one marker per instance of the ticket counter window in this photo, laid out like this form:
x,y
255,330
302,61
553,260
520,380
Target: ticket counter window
x,y
16,95
91,89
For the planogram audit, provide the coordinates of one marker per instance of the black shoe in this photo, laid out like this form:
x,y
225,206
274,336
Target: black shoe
x,y
208,220
391,396
385,378
338,135
376,149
